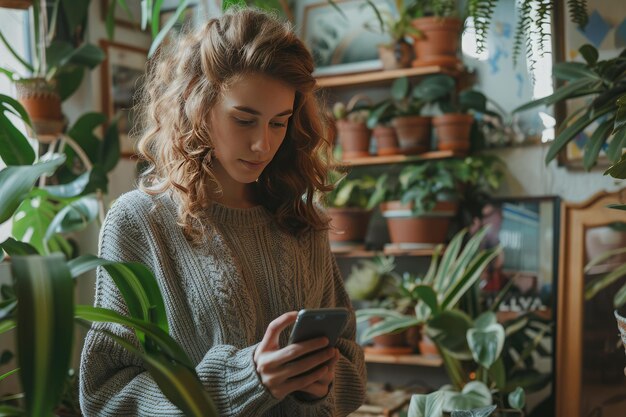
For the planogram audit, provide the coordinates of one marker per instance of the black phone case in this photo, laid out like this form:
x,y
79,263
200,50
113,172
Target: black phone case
x,y
313,323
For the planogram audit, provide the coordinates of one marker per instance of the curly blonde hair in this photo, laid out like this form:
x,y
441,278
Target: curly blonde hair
x,y
184,82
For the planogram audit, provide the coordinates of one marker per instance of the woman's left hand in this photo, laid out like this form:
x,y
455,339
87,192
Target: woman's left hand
x,y
320,388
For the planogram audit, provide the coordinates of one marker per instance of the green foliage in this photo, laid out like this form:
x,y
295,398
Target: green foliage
x,y
605,83
350,192
399,27
14,147
372,280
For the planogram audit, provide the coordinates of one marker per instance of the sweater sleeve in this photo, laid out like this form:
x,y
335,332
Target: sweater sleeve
x,y
114,382
348,389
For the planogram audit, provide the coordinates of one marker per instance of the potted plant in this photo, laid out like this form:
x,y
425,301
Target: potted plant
x,y
419,204
453,127
398,52
440,29
404,109
349,208
354,135
604,83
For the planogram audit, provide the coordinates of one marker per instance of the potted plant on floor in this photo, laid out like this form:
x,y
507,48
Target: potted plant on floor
x,y
419,203
349,208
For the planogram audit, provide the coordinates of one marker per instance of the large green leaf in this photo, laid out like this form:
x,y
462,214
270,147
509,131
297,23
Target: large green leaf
x,y
616,146
16,181
400,88
109,154
458,267
32,219
45,291
72,189
179,384
182,6
389,326
571,71
68,80
578,88
617,170
14,147
447,261
486,342
82,133
16,248
517,398
10,411
73,217
87,55
597,285
595,143
474,394
75,12
449,330
427,405
365,314
477,412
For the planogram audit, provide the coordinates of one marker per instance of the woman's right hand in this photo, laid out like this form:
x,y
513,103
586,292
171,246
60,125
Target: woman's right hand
x,y
284,371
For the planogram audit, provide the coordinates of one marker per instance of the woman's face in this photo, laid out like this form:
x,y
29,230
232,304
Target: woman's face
x,y
248,125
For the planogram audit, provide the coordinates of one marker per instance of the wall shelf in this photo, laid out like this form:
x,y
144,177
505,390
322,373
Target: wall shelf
x,y
381,77
399,159
417,360
361,253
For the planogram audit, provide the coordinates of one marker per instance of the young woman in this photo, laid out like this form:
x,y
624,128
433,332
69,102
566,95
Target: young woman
x,y
225,218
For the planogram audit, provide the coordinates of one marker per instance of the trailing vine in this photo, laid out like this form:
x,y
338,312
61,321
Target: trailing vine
x,y
578,12
481,11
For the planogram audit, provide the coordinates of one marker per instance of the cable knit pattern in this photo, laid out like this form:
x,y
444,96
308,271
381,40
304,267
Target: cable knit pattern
x,y
220,298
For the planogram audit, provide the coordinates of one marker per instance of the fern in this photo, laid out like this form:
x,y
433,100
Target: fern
x,y
523,29
543,24
578,12
481,11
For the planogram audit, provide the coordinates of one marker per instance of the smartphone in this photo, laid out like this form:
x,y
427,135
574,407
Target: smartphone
x,y
319,322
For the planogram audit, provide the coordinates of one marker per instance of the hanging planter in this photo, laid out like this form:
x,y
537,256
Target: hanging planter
x,y
43,104
439,42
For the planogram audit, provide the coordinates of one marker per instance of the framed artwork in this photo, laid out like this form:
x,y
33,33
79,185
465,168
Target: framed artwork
x,y
527,229
590,380
606,31
341,45
130,19
122,71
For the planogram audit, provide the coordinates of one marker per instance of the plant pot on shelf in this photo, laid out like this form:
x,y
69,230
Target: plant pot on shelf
x,y
413,134
429,229
426,346
386,140
439,42
389,344
43,105
16,4
354,138
396,55
453,131
348,224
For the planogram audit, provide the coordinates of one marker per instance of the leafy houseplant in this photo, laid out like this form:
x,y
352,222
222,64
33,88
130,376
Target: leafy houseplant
x,y
354,135
603,83
419,203
349,207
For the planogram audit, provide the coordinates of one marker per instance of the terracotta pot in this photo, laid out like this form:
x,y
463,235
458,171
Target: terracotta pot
x,y
386,140
439,42
43,105
395,56
426,346
430,228
453,131
348,224
393,343
16,4
354,138
413,134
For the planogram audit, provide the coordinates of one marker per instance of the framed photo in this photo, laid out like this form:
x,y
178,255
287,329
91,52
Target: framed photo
x,y
341,45
528,230
129,19
606,31
122,71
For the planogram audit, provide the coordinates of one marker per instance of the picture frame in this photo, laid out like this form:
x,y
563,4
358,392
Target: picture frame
x,y
340,45
122,71
121,17
528,230
589,357
606,31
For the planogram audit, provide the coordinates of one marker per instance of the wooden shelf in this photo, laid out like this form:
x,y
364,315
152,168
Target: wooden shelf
x,y
370,254
400,159
417,360
381,77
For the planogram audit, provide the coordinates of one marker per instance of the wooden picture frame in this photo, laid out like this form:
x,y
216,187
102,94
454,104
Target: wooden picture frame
x,y
581,324
606,32
340,45
122,70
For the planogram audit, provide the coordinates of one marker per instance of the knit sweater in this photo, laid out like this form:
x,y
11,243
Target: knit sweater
x,y
219,297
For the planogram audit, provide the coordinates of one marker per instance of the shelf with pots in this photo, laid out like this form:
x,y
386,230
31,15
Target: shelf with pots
x,y
348,252
414,359
400,159
382,77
